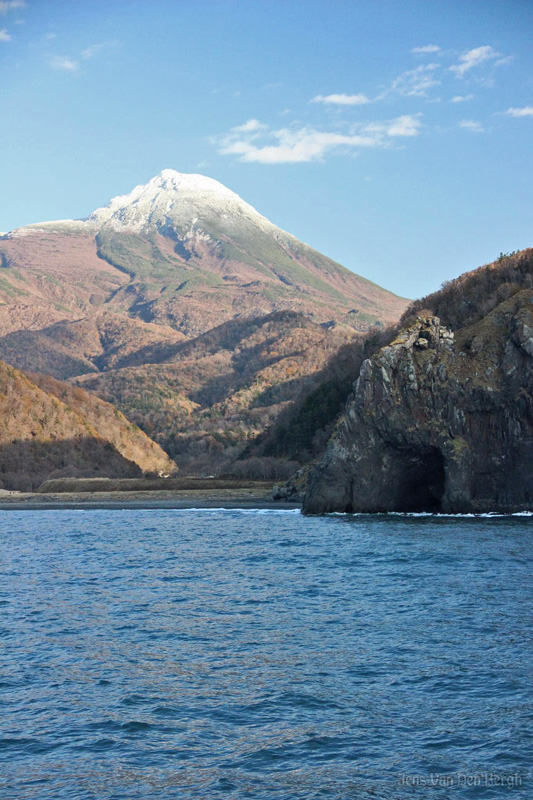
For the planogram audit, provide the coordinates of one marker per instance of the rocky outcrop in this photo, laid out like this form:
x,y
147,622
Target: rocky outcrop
x,y
292,490
437,422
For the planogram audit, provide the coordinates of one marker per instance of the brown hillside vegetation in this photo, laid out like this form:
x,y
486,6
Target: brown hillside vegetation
x,y
205,399
100,341
50,429
470,297
66,311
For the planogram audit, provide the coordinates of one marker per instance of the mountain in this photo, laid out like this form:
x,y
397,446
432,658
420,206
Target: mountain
x,y
183,251
125,301
50,429
441,418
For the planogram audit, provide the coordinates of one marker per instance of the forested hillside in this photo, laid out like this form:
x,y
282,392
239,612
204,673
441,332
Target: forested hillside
x,y
50,429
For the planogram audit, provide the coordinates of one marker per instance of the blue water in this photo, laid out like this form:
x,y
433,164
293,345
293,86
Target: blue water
x,y
243,654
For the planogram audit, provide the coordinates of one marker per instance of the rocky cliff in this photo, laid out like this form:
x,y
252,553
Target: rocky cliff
x,y
439,421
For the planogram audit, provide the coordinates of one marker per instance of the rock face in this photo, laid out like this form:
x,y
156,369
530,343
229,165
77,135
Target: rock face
x,y
438,422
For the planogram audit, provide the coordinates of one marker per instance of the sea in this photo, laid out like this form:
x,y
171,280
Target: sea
x,y
151,654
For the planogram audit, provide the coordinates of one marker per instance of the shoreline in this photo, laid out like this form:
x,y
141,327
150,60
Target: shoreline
x,y
245,499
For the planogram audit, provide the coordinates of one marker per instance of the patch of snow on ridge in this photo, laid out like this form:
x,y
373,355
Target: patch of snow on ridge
x,y
170,179
57,226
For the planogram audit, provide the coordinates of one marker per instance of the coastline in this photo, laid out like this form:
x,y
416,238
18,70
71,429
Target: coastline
x,y
186,499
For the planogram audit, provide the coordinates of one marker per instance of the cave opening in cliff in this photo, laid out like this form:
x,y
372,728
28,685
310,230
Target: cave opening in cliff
x,y
423,481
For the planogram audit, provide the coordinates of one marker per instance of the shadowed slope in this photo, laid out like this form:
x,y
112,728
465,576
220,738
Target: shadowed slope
x,y
50,428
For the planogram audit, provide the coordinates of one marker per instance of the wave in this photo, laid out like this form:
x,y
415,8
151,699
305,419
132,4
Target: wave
x,y
485,515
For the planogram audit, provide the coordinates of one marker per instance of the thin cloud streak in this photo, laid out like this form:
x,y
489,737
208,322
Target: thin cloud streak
x,y
65,63
96,48
471,125
416,82
405,125
473,58
427,48
4,36
526,111
341,99
11,5
69,64
252,126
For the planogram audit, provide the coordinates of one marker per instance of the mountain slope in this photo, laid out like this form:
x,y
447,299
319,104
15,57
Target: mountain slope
x,y
182,250
223,255
204,399
51,429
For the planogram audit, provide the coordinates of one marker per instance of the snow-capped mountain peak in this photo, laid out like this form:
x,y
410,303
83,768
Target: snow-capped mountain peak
x,y
174,199
170,180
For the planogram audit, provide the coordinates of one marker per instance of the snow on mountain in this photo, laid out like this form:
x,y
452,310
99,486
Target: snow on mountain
x,y
171,201
175,200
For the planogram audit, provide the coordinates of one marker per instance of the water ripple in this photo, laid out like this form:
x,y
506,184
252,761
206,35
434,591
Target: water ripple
x,y
153,655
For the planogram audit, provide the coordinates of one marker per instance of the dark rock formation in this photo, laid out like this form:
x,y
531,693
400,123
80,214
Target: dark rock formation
x,y
438,422
292,490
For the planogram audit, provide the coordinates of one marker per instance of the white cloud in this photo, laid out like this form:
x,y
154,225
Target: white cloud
x,y
65,63
473,58
503,61
10,5
4,36
471,125
416,82
73,64
302,145
341,99
404,126
427,48
526,111
461,98
252,126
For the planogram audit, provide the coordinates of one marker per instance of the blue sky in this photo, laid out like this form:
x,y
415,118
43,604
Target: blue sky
x,y
393,136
